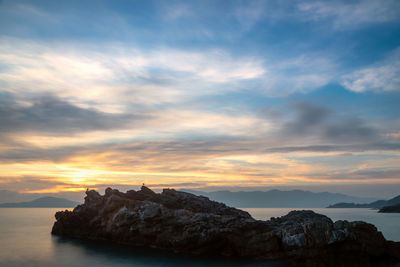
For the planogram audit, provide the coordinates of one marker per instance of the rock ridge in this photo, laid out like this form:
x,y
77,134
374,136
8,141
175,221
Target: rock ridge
x,y
181,222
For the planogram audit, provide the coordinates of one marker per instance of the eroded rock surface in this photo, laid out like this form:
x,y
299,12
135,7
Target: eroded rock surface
x,y
185,223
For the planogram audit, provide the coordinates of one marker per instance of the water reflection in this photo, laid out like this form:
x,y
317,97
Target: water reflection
x,y
89,253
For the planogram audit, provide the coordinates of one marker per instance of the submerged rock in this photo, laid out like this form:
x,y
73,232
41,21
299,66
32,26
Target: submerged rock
x,y
185,223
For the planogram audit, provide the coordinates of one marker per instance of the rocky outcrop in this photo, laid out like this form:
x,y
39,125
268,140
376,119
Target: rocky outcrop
x,y
373,205
390,209
185,223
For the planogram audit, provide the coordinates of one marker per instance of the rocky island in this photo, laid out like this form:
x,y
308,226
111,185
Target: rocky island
x,y
373,205
390,209
184,223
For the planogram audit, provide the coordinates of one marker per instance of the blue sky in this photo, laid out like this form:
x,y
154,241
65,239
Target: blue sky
x,y
200,94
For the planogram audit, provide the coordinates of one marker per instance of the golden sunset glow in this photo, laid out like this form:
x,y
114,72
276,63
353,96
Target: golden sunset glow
x,y
202,107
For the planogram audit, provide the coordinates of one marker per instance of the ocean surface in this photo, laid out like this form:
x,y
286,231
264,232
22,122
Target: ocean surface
x,y
25,240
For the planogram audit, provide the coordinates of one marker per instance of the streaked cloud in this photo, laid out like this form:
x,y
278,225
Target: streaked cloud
x,y
303,73
52,115
381,77
116,72
120,73
339,148
347,15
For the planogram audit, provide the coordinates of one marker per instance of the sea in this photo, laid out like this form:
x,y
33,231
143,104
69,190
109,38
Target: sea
x,y
25,240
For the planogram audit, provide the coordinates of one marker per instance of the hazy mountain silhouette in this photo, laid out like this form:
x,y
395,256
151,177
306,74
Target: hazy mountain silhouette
x,y
12,196
43,202
278,198
241,199
373,205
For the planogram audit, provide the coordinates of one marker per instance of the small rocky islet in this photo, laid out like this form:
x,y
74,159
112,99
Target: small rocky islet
x,y
184,223
390,209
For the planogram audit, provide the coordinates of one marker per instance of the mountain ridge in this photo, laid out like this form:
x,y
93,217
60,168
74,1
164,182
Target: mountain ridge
x,y
7,196
373,205
275,198
43,202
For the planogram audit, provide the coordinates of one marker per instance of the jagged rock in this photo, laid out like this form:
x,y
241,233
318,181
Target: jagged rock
x,y
185,223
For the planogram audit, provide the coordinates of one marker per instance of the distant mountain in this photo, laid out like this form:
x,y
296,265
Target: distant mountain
x,y
43,202
7,196
373,205
390,209
278,198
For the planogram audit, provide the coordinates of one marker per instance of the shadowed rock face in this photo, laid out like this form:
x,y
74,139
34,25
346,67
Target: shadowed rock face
x,y
390,209
184,223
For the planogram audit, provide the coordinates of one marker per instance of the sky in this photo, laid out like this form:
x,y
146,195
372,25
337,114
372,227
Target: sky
x,y
207,95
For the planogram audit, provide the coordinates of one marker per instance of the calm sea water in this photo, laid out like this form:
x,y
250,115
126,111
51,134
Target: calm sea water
x,y
25,240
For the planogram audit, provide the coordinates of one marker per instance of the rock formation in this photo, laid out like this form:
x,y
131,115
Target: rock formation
x,y
185,223
373,205
390,209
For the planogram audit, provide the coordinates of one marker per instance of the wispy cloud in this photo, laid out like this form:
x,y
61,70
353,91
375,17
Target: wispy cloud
x,y
120,73
116,73
303,73
250,12
347,15
380,77
172,12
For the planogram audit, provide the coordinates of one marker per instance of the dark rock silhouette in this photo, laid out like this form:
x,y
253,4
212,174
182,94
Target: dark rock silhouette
x,y
390,209
185,223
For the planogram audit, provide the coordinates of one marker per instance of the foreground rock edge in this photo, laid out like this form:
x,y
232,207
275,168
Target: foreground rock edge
x,y
181,222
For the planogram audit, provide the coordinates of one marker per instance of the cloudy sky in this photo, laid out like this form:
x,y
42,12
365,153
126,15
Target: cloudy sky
x,y
236,95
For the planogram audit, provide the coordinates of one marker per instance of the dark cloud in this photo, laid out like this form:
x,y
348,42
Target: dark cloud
x,y
352,129
180,151
312,121
333,148
307,118
316,148
54,115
